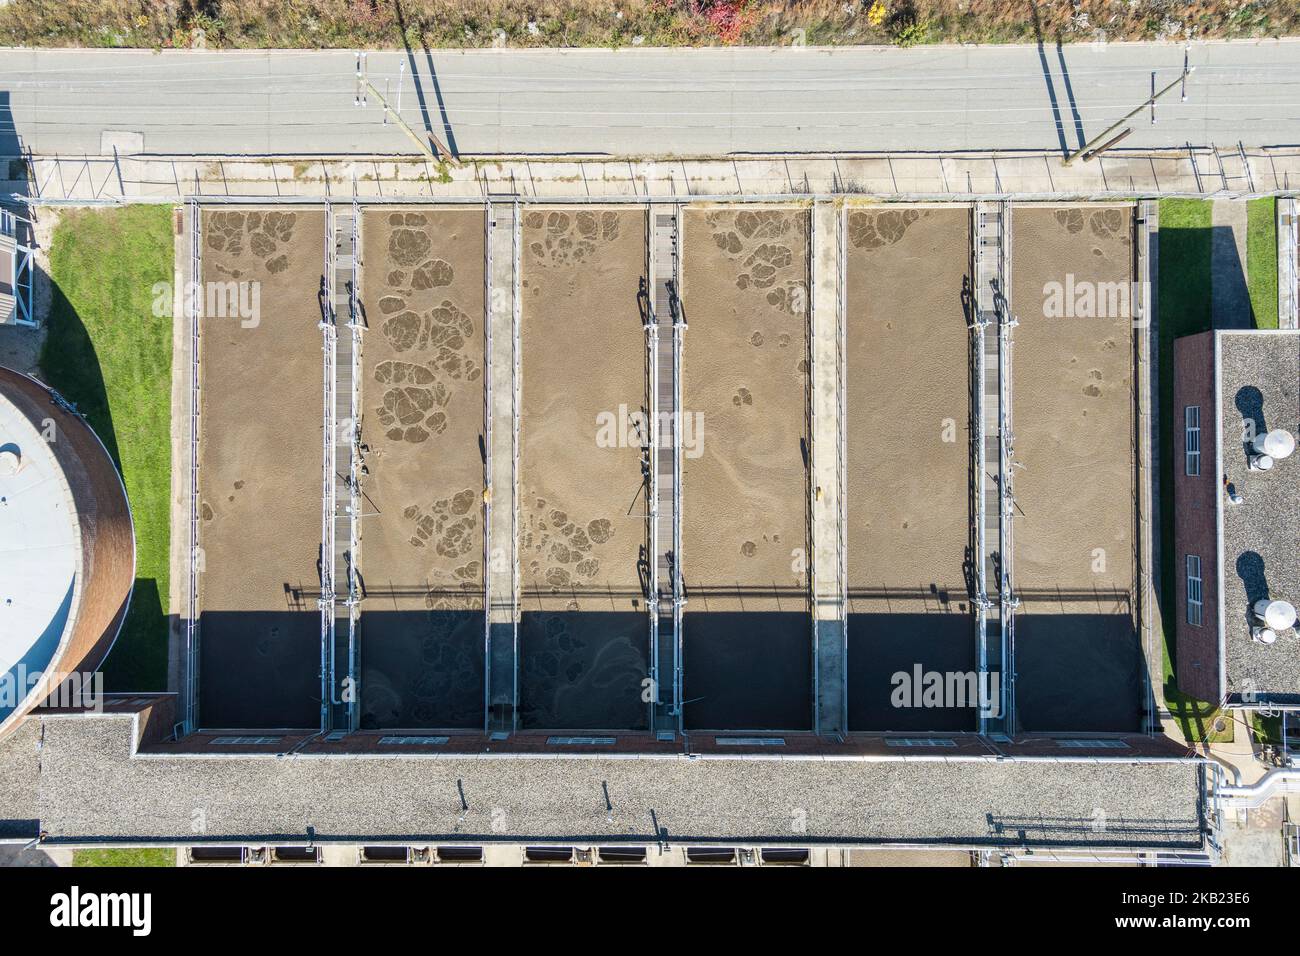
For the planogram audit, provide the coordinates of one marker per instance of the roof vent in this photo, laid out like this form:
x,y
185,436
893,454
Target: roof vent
x,y
1264,635
1277,444
11,460
1275,615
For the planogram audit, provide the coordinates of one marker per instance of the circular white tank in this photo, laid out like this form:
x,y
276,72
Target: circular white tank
x,y
1262,463
1278,615
1277,444
1263,634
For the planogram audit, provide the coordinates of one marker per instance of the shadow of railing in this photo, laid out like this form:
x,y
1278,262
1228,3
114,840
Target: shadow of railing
x,y
1101,828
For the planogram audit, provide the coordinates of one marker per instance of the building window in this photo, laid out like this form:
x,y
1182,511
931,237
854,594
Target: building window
x,y
1194,590
920,742
417,741
749,741
1091,743
1192,444
244,741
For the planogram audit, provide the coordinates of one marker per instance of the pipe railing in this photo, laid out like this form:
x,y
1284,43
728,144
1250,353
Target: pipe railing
x,y
329,438
355,326
1006,466
487,465
193,309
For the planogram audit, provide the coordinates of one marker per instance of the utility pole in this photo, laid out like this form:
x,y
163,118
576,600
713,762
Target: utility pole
x,y
1086,149
364,86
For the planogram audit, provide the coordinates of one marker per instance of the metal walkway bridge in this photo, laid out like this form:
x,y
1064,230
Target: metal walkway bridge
x,y
995,602
501,468
1288,262
665,327
341,470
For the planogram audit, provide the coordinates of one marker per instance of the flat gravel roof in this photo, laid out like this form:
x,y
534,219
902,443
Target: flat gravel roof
x,y
93,787
1259,381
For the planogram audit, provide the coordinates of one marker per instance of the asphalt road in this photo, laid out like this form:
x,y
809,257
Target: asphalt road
x,y
648,102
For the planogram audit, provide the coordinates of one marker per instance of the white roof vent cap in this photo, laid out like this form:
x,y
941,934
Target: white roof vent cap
x,y
11,460
1277,444
1264,635
1277,615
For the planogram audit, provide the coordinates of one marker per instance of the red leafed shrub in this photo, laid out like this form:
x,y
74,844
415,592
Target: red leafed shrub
x,y
728,19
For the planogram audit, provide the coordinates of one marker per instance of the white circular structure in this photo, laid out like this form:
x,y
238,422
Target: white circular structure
x,y
1277,615
67,547
1261,463
1277,444
40,544
1263,634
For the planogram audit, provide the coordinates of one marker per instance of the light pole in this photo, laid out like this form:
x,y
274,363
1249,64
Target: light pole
x,y
364,86
1149,101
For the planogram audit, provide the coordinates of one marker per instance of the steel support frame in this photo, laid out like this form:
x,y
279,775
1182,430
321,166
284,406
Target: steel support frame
x,y
22,271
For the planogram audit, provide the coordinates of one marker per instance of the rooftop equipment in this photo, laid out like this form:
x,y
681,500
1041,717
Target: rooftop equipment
x,y
1275,614
1263,635
1277,444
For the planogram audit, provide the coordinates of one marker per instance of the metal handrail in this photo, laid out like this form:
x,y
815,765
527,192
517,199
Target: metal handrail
x,y
328,500
194,312
354,437
514,466
488,363
811,419
679,599
1006,504
1287,239
652,458
841,440
977,436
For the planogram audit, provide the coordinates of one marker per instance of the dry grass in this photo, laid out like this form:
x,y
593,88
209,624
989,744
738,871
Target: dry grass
x,y
559,23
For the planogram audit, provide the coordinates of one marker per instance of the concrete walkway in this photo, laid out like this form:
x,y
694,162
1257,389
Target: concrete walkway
x,y
1122,175
827,507
503,601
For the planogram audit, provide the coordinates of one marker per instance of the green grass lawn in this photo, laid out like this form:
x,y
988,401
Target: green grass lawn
x,y
1261,261
151,856
111,356
1183,302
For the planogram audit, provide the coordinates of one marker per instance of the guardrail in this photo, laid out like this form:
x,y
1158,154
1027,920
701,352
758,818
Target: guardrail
x,y
329,437
193,312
